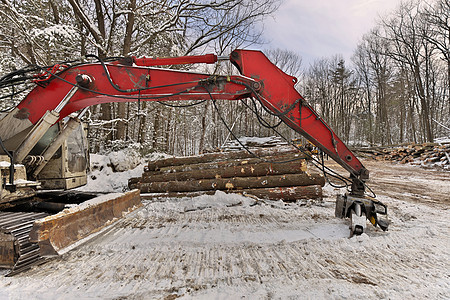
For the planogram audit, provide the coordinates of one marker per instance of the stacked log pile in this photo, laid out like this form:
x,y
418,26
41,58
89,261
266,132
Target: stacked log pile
x,y
428,154
281,174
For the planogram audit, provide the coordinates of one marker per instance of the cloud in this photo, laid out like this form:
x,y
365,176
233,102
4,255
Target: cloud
x,y
317,29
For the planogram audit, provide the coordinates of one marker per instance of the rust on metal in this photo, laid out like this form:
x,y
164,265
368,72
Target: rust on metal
x,y
8,255
22,114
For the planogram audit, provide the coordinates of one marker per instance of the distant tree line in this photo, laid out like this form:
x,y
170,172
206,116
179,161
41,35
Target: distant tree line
x,y
396,90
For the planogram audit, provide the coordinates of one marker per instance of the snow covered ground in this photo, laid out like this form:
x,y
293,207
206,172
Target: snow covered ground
x,y
233,247
110,173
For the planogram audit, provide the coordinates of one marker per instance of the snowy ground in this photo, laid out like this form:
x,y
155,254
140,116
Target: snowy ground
x,y
110,173
232,247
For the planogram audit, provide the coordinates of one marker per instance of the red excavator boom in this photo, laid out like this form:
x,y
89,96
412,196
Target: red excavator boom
x,y
126,80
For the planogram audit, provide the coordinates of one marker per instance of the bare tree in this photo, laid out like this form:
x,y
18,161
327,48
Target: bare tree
x,y
361,61
288,61
406,43
438,34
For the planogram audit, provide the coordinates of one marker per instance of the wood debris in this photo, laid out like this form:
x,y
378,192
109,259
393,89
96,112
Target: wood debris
x,y
427,154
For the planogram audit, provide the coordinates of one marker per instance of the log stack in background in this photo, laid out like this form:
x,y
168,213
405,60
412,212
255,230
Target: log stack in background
x,y
281,175
428,154
249,142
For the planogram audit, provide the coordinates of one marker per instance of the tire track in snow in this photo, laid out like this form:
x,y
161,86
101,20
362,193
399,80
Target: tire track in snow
x,y
162,250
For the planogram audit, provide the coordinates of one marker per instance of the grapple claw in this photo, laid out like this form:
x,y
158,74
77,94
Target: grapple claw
x,y
384,224
359,209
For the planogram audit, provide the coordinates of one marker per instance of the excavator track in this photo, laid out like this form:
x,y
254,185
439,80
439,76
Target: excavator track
x,y
16,227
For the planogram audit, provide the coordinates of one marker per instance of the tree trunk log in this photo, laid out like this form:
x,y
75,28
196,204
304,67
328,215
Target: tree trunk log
x,y
281,193
227,163
290,194
236,183
243,170
215,157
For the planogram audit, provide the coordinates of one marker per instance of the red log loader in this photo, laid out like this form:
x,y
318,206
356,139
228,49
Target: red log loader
x,y
43,144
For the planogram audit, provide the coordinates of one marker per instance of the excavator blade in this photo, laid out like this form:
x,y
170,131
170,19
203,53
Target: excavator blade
x,y
358,209
56,232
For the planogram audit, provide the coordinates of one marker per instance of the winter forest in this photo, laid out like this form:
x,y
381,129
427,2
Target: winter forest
x,y
394,90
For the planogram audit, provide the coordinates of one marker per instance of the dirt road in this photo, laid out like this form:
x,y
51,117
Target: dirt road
x,y
406,182
232,247
411,183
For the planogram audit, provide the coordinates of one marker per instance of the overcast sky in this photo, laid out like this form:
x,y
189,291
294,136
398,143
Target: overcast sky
x,y
322,28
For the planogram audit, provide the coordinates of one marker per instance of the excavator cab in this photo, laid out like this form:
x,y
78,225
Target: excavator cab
x,y
65,170
67,167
